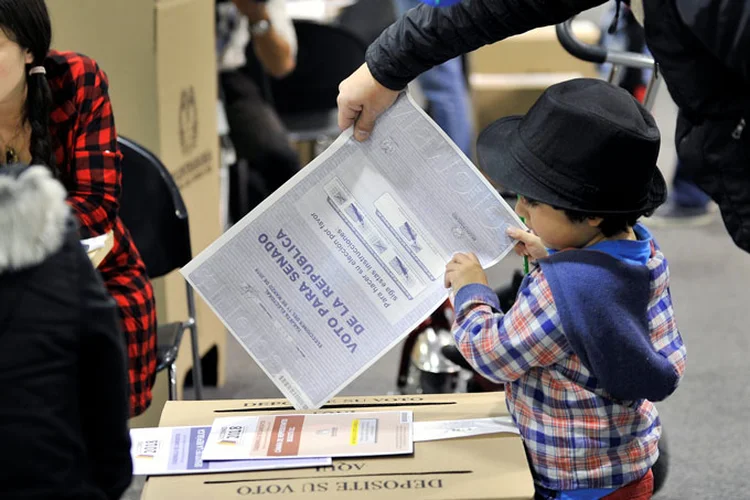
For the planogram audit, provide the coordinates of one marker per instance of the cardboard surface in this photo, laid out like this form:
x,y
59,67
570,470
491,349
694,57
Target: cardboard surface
x,y
485,467
497,95
537,51
507,77
159,56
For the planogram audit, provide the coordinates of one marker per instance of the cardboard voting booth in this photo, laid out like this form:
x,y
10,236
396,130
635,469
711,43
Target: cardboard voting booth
x,y
482,467
160,58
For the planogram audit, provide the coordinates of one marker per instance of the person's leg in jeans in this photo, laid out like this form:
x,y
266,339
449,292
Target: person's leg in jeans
x,y
687,205
259,138
445,88
685,193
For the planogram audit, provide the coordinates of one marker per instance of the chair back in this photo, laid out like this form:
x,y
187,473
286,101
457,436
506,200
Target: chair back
x,y
367,18
326,55
152,209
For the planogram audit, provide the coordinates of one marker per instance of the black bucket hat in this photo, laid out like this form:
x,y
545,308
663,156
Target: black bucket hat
x,y
585,145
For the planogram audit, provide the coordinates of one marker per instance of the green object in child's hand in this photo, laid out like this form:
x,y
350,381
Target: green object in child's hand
x,y
525,257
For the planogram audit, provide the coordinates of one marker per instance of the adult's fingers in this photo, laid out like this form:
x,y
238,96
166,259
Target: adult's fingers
x,y
348,113
364,125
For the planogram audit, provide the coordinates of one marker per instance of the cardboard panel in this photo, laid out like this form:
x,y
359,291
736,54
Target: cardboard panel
x,y
186,82
508,76
499,95
120,36
536,51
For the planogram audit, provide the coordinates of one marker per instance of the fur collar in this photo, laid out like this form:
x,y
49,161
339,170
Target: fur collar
x,y
33,216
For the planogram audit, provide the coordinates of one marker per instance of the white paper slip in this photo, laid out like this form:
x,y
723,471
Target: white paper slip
x,y
95,243
178,450
338,265
328,435
452,429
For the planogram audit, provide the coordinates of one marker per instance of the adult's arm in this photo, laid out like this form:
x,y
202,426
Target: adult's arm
x,y
277,48
94,190
427,36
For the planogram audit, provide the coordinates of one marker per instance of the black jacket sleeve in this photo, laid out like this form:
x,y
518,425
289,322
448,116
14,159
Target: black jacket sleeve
x,y
427,36
104,387
723,27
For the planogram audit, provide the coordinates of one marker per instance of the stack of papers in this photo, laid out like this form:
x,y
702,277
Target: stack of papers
x,y
179,450
327,435
269,442
266,442
95,243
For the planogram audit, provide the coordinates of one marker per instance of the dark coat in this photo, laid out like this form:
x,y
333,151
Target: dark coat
x,y
63,374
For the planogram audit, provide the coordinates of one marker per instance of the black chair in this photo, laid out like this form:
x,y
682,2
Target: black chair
x,y
367,18
306,98
152,209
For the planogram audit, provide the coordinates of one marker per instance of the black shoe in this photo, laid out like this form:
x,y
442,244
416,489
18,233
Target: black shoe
x,y
661,466
673,215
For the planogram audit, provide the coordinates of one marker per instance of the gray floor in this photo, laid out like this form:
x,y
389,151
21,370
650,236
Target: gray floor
x,y
706,419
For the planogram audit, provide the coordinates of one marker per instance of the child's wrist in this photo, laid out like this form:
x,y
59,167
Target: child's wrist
x,y
475,291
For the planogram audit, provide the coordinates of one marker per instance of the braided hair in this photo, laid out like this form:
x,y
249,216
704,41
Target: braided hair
x,y
27,23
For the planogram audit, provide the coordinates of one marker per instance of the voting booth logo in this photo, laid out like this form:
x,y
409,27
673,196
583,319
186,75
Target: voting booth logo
x,y
188,122
147,449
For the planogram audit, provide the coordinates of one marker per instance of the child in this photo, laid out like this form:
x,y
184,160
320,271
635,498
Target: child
x,y
591,340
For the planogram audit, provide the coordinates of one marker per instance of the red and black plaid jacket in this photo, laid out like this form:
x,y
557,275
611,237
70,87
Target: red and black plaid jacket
x,y
88,160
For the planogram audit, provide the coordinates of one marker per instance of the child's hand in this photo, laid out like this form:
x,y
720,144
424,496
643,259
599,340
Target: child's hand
x,y
464,269
529,244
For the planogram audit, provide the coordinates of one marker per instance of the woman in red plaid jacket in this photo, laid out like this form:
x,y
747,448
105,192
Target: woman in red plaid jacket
x,y
55,111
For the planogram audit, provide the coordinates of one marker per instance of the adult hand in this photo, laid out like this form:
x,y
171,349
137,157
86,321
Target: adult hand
x,y
529,244
361,100
464,269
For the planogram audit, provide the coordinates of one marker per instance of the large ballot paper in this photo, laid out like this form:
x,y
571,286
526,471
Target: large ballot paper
x,y
335,267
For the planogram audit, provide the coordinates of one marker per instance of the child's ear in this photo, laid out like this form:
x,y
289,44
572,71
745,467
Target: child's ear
x,y
28,57
594,221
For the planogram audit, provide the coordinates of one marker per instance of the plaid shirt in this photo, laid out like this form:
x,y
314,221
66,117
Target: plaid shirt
x,y
577,436
88,162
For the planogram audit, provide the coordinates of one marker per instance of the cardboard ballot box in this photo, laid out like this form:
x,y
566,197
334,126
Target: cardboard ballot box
x,y
483,467
160,58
